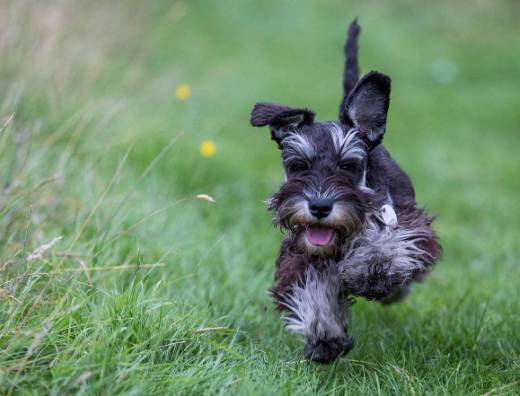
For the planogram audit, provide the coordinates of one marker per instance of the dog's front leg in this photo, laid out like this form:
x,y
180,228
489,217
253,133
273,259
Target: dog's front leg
x,y
316,310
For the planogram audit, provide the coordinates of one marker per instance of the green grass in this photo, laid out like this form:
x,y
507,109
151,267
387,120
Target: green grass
x,y
95,148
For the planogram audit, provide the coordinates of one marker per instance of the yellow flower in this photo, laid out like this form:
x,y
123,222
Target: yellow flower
x,y
208,148
183,91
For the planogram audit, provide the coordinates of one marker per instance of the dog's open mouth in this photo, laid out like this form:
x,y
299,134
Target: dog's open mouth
x,y
319,235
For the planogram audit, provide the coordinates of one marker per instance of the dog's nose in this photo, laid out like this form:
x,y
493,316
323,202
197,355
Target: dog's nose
x,y
320,207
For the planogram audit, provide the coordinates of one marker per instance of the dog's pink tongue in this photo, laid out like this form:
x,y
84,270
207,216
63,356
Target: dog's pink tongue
x,y
319,235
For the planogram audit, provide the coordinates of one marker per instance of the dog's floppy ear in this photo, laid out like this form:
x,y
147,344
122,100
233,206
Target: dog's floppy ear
x,y
281,119
367,105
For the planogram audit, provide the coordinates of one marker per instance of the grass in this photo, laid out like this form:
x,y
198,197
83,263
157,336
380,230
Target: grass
x,y
147,289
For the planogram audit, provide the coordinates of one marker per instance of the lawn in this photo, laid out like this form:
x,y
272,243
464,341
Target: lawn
x,y
116,279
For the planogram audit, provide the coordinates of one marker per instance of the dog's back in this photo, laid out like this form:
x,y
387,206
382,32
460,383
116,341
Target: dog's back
x,y
383,172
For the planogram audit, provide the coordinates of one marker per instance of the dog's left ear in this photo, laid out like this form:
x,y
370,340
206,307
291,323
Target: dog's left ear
x,y
281,119
367,105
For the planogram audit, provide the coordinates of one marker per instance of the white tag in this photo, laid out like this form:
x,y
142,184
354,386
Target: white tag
x,y
388,215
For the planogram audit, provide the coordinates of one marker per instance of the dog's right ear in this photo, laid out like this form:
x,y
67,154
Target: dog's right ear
x,y
281,119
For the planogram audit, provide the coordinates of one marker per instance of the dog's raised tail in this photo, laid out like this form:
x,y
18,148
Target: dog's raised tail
x,y
351,70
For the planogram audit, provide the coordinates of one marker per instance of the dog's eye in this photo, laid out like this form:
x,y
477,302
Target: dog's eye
x,y
349,166
297,166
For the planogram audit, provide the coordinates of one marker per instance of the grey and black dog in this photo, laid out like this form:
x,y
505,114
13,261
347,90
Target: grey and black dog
x,y
353,225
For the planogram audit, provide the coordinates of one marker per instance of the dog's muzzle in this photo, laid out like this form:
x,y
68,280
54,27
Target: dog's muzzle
x,y
320,233
320,208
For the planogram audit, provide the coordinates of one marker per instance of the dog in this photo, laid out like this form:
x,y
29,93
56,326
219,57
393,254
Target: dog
x,y
353,226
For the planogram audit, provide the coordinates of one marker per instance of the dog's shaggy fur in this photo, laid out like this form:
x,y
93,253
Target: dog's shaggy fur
x,y
353,225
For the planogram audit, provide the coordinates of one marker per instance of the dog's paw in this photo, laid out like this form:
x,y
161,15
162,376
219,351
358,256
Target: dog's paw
x,y
327,350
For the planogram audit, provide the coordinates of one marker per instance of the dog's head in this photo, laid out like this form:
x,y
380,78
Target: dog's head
x,y
325,197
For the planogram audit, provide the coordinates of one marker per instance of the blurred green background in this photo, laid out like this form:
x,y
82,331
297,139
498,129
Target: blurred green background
x,y
104,108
